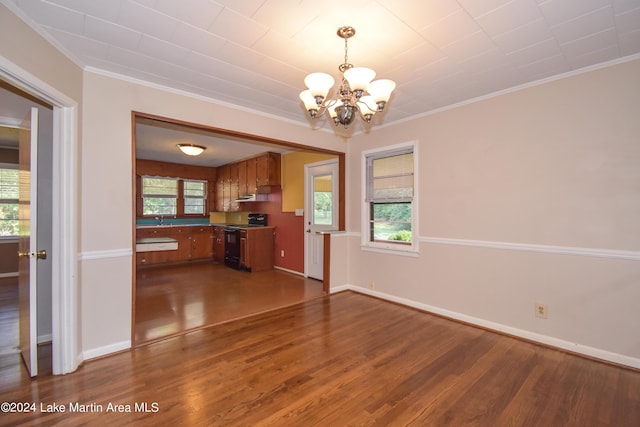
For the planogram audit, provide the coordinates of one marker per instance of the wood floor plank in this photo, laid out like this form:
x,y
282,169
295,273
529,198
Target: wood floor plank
x,y
340,360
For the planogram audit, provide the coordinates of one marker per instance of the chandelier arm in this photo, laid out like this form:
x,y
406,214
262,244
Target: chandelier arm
x,y
360,101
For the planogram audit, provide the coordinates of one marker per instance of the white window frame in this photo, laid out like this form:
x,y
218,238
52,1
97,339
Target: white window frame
x,y
203,198
411,249
160,196
13,167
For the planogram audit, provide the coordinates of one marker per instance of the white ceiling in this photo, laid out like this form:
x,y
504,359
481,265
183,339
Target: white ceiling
x,y
256,53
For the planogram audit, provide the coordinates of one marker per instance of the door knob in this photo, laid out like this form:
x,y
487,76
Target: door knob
x,y
41,254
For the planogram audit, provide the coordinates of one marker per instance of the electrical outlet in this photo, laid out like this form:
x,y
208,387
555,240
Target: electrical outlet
x,y
372,285
282,253
542,311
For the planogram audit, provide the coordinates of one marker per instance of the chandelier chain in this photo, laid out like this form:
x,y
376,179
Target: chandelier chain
x,y
346,51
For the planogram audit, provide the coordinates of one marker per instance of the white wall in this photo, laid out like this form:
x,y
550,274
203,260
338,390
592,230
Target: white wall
x,y
526,197
107,197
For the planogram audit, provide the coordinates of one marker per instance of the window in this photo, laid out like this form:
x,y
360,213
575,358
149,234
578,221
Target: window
x,y
390,199
195,197
8,201
159,196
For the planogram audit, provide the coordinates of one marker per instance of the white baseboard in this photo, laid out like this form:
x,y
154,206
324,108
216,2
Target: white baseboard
x,y
107,349
585,350
288,271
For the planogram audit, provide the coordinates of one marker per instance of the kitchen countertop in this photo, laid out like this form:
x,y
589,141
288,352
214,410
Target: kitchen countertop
x,y
171,225
203,225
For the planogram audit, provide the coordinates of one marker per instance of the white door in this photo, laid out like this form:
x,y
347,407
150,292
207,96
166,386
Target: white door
x,y
27,251
320,212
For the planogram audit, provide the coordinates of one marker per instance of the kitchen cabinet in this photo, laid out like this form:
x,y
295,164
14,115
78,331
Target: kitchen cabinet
x,y
249,176
233,187
218,243
267,170
242,177
219,195
201,243
194,242
256,248
252,177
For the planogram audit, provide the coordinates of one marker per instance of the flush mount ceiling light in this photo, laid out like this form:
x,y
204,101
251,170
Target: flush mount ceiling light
x,y
356,93
191,149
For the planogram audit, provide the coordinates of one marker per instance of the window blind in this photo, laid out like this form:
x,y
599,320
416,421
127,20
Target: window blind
x,y
390,176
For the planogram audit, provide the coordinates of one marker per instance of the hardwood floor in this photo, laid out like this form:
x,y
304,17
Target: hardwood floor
x,y
344,359
177,298
9,342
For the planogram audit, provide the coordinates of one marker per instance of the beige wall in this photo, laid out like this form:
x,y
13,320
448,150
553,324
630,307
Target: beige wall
x,y
527,197
106,194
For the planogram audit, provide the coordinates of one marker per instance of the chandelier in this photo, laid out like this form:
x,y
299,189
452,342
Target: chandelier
x,y
356,93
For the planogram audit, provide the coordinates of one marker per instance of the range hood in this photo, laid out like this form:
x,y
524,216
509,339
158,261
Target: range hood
x,y
246,198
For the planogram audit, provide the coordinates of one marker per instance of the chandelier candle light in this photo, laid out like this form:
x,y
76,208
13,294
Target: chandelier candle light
x,y
356,92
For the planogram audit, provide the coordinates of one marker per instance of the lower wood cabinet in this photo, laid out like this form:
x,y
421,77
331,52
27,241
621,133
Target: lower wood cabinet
x,y
194,243
256,248
218,243
201,242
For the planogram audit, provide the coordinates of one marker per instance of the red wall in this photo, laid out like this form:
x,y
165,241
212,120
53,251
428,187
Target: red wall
x,y
289,231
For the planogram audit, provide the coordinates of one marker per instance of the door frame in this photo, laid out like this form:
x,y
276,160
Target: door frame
x,y
308,201
135,115
65,351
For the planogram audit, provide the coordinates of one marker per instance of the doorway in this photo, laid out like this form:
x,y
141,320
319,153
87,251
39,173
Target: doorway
x,y
320,213
16,103
64,304
163,127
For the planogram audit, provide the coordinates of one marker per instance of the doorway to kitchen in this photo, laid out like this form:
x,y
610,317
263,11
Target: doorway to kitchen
x,y
215,293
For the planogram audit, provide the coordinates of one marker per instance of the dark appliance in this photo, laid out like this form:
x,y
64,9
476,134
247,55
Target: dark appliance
x,y
257,219
232,247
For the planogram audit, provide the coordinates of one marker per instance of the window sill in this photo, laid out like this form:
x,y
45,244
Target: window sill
x,y
400,252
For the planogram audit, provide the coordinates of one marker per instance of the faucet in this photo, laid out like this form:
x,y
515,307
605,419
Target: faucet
x,y
160,220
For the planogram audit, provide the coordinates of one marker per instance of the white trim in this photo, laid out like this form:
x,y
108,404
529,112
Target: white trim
x,y
199,97
297,273
107,254
105,350
64,287
391,251
11,274
390,248
549,249
528,335
561,250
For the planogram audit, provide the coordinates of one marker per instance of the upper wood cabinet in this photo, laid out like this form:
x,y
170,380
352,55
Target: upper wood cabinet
x,y
242,177
268,170
255,175
252,177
